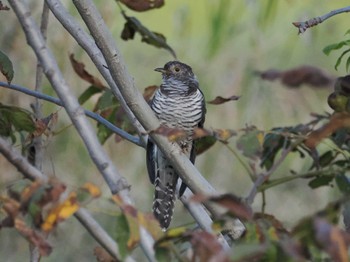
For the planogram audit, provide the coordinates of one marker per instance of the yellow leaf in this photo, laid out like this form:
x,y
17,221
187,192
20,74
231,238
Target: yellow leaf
x,y
92,189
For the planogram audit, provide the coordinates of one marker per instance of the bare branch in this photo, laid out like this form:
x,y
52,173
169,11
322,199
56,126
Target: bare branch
x,y
89,45
82,215
92,115
302,26
138,105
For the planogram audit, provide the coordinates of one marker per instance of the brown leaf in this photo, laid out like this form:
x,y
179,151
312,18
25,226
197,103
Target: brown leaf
x,y
337,121
334,240
79,68
295,77
33,237
220,100
207,248
149,92
103,256
220,134
143,5
173,134
4,7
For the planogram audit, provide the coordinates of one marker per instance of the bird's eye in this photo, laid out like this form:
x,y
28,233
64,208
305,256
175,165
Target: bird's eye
x,y
177,69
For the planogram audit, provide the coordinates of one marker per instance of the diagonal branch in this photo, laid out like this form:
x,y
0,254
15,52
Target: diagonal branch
x,y
138,105
82,214
114,180
92,115
89,45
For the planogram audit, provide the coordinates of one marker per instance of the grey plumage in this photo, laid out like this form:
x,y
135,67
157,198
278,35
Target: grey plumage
x,y
178,103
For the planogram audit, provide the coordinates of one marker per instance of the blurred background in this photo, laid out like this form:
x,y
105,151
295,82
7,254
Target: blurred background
x,y
225,42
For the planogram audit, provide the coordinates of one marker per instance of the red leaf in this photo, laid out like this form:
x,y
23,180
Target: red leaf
x,y
143,5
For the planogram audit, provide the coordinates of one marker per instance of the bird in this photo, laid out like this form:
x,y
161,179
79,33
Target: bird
x,y
180,104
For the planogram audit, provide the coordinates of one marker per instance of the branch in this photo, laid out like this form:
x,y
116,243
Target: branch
x,y
105,41
88,113
302,26
82,215
89,45
114,180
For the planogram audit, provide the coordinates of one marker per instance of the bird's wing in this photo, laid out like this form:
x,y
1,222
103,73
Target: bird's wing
x,y
151,160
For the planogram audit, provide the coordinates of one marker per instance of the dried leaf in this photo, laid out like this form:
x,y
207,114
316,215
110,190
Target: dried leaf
x,y
102,255
6,67
251,143
3,7
45,125
298,76
221,100
149,92
336,122
93,190
79,68
133,25
173,134
207,248
33,237
61,212
143,5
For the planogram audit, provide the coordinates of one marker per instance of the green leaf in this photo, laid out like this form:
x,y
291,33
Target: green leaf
x,y
106,101
320,181
343,183
17,117
6,67
133,25
92,90
347,32
340,58
204,143
326,158
336,46
122,234
251,143
103,132
347,64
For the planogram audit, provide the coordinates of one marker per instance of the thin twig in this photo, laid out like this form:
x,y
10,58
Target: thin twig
x,y
83,216
303,26
92,115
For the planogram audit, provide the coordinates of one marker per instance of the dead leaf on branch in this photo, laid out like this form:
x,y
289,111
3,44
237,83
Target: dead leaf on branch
x,y
3,7
133,25
33,237
173,134
298,76
221,100
149,92
102,255
336,122
142,5
79,68
219,134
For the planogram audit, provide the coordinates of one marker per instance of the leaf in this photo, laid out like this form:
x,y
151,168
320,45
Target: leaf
x,y
328,49
298,76
149,92
88,93
173,134
16,117
122,234
218,134
133,25
79,69
206,247
45,125
336,122
33,237
320,181
143,5
61,212
6,67
343,183
102,255
93,190
251,143
221,100
4,7
203,144
340,58
106,101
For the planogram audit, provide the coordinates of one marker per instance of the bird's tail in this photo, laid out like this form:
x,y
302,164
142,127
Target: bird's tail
x,y
164,199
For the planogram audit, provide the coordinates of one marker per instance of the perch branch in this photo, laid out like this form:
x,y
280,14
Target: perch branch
x,y
88,113
303,26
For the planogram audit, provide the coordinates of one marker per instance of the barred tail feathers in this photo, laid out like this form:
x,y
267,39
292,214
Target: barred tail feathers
x,y
164,197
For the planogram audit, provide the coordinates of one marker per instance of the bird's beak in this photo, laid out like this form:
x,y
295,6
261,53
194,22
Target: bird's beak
x,y
161,70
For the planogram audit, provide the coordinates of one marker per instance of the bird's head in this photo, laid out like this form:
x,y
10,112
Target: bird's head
x,y
176,71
